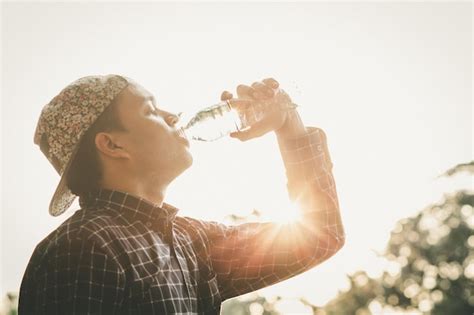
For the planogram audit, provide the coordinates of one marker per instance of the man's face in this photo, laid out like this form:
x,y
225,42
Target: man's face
x,y
156,150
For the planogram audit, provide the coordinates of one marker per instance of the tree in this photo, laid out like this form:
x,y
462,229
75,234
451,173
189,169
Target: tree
x,y
434,252
251,305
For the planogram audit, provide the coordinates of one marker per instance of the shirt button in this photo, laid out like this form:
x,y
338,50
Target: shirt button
x,y
148,224
320,148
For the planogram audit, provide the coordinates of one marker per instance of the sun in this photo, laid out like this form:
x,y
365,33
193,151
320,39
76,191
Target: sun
x,y
287,214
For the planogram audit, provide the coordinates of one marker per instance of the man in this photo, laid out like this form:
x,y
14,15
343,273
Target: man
x,y
126,251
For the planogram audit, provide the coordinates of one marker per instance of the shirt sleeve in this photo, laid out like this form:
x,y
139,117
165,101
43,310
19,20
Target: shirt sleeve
x,y
251,256
74,277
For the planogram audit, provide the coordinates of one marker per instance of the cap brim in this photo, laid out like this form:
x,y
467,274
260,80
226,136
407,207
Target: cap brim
x,y
63,197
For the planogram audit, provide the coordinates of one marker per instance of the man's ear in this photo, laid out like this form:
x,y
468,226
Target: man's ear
x,y
109,145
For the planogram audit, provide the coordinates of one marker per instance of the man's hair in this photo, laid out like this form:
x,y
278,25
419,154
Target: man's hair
x,y
86,170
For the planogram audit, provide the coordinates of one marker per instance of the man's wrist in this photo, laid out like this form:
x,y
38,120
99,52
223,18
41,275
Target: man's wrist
x,y
293,126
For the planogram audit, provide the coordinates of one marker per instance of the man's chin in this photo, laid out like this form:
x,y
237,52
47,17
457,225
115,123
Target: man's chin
x,y
186,162
189,160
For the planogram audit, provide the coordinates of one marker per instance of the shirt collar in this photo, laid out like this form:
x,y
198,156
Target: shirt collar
x,y
131,206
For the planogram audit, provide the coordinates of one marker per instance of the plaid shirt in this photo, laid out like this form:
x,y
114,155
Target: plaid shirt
x,y
120,254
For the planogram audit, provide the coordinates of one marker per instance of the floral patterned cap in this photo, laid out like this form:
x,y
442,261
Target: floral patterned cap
x,y
65,119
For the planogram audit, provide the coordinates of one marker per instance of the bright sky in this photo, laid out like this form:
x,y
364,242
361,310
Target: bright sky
x,y
390,84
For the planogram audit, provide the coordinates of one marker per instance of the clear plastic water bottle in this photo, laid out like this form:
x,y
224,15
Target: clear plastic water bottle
x,y
214,122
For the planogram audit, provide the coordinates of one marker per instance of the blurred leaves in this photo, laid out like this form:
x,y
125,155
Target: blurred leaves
x,y
432,265
253,304
255,215
465,167
10,304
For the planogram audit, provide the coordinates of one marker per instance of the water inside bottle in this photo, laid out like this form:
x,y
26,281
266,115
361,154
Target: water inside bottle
x,y
212,123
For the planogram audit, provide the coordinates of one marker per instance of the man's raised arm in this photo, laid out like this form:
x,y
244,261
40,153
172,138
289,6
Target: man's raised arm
x,y
251,256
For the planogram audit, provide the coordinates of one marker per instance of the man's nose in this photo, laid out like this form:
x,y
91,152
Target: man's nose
x,y
172,119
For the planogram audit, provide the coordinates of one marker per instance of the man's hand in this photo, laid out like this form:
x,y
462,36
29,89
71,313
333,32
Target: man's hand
x,y
278,117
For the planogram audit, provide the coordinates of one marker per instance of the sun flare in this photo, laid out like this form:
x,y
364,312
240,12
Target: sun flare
x,y
287,214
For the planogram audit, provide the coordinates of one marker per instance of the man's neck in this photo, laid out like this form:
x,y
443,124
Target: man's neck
x,y
152,193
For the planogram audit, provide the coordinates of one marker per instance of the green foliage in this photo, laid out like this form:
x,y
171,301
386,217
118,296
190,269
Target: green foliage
x,y
463,167
362,291
434,252
250,306
10,304
437,260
